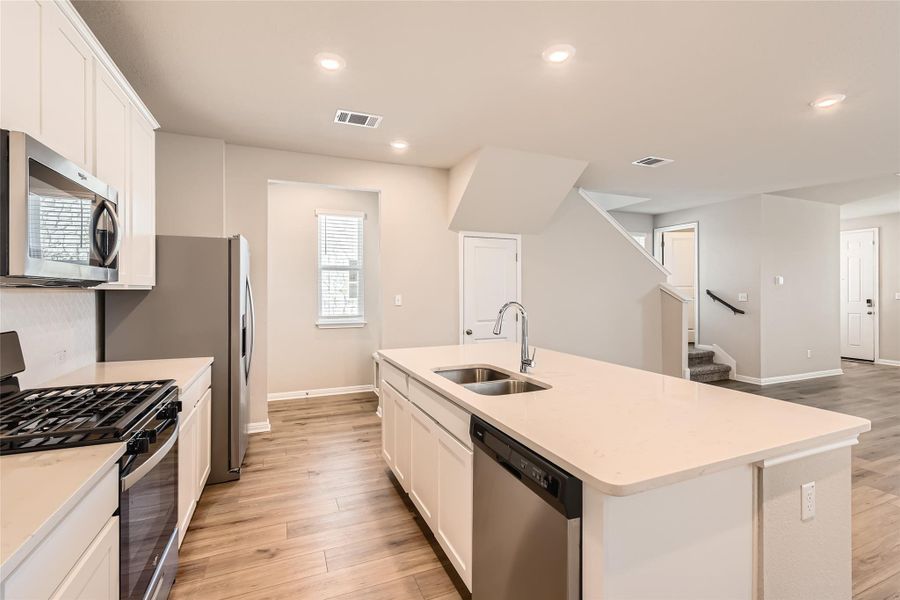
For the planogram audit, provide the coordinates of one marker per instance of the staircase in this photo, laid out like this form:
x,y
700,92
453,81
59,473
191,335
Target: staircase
x,y
702,367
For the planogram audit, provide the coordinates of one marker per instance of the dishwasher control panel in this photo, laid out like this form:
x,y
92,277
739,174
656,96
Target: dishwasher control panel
x,y
555,484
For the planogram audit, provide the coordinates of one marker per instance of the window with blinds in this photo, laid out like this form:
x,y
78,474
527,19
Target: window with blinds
x,y
341,281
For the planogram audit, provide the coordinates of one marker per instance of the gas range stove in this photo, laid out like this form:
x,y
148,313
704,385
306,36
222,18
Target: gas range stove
x,y
63,417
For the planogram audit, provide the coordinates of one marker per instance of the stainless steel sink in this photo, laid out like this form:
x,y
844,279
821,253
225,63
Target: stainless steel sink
x,y
472,375
504,387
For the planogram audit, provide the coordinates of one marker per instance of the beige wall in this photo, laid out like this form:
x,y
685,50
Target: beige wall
x,y
800,242
806,559
589,292
302,356
743,245
190,185
636,223
889,271
57,330
729,236
419,255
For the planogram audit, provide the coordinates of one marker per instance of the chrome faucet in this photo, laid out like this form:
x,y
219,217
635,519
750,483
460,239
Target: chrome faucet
x,y
498,327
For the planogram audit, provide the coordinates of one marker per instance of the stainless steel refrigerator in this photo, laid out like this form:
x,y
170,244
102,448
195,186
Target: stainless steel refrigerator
x,y
202,305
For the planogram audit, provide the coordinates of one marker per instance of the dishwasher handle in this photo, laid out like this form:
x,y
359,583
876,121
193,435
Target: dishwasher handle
x,y
555,486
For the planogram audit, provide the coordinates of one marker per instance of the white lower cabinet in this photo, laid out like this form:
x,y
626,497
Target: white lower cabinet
x,y
187,471
454,499
423,464
388,428
193,450
79,557
96,576
432,464
401,441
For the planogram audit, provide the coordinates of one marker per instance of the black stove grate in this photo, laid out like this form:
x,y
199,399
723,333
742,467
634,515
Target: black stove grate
x,y
59,417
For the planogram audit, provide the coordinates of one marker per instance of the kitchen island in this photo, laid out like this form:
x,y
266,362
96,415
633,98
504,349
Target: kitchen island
x,y
690,490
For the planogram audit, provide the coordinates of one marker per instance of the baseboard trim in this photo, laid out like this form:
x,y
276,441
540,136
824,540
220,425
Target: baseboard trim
x,y
335,391
259,427
888,362
788,378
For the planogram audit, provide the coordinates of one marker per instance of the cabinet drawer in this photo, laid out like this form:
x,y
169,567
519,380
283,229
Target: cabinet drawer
x,y
448,415
42,571
191,396
395,377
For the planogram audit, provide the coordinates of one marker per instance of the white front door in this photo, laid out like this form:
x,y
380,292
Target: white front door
x,y
490,279
858,294
678,258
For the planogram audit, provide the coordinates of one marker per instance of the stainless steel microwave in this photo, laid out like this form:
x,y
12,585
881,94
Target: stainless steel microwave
x,y
59,224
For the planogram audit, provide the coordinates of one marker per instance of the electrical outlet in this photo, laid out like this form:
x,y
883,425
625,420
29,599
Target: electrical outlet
x,y
398,300
60,357
742,296
808,501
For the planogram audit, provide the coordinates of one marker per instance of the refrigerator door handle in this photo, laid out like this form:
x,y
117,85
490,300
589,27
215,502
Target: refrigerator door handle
x,y
252,308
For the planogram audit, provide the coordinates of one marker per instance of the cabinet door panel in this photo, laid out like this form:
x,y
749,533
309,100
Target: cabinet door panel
x,y
20,66
142,203
96,574
388,423
401,441
423,467
66,88
454,518
187,469
203,442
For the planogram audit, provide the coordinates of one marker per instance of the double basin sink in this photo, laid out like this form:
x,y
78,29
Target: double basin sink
x,y
488,381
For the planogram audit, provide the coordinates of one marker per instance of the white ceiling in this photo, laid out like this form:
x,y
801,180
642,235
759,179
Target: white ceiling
x,y
858,198
721,87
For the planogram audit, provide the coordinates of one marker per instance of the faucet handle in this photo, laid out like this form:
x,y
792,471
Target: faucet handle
x,y
531,360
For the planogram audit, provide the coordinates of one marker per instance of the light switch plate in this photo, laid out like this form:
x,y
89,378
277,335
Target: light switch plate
x,y
896,295
779,280
398,300
742,297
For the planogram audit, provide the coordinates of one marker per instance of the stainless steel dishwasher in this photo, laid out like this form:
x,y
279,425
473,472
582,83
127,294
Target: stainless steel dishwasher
x,y
526,541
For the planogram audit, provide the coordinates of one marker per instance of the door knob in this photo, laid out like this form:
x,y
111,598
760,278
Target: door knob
x,y
468,332
869,312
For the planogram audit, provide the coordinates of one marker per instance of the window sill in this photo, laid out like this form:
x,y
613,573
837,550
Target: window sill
x,y
340,324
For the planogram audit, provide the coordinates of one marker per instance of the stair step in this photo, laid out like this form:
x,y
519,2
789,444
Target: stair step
x,y
709,372
700,357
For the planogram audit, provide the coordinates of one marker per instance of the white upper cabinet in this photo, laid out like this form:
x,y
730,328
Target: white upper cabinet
x,y
20,65
59,85
141,246
67,67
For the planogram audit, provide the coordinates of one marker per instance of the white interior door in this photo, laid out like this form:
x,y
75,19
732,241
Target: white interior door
x,y
858,294
490,279
678,258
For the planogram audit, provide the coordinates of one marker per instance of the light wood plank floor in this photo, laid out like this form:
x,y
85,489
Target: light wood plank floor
x,y
315,515
872,392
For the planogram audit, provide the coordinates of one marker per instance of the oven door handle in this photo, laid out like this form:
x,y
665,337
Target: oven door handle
x,y
135,476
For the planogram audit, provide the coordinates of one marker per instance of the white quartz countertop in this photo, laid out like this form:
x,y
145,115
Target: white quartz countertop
x,y
623,430
37,489
184,371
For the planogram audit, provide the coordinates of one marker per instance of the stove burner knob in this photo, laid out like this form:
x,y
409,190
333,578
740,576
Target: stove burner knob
x,y
139,444
151,435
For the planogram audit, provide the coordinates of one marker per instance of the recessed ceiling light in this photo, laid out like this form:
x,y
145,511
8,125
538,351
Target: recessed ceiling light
x,y
559,53
399,144
828,101
330,62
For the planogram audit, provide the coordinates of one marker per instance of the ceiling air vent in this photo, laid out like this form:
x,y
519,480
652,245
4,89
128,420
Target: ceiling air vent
x,y
652,161
348,117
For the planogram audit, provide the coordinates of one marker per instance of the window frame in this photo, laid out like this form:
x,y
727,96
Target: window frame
x,y
350,321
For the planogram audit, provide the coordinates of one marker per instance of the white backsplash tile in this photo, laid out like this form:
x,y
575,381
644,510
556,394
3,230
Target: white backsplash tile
x,y
57,330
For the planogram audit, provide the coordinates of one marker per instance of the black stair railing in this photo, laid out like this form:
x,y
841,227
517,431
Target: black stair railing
x,y
715,298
